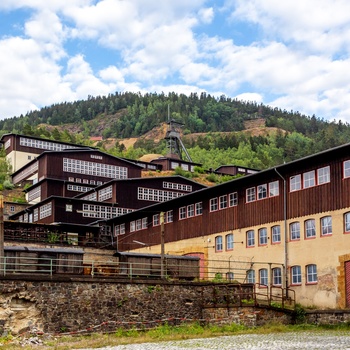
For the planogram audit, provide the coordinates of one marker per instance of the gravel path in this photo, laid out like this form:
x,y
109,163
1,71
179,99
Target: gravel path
x,y
280,341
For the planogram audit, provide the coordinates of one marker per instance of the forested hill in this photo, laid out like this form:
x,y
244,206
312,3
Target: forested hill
x,y
125,115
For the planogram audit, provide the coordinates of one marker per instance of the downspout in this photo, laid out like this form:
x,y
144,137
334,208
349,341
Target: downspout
x,y
285,230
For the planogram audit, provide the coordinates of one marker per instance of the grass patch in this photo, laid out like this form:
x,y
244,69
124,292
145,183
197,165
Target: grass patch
x,y
164,332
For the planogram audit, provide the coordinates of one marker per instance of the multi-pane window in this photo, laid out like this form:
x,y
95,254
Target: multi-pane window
x,y
323,175
213,204
119,230
156,220
182,213
250,276
309,179
177,186
326,225
45,210
277,276
250,238
295,183
347,222
262,236
311,273
103,212
132,226
218,244
233,199
151,194
199,208
346,169
262,191
190,210
310,228
229,241
296,274
223,202
144,223
169,216
294,231
33,194
105,193
250,194
273,189
276,234
263,277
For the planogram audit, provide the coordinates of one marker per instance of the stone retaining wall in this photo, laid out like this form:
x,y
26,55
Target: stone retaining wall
x,y
331,317
74,304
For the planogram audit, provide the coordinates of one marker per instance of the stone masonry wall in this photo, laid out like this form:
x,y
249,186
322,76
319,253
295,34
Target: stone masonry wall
x,y
74,304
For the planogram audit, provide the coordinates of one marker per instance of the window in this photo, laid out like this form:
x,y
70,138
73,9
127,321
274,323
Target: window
x,y
262,191
182,213
346,165
326,226
263,279
229,241
213,204
296,275
229,276
156,221
169,216
250,194
273,189
250,276
309,179
277,276
310,228
262,233
119,230
347,222
295,183
276,234
144,223
233,199
69,207
250,238
218,244
294,231
12,208
190,210
132,226
223,202
323,175
199,208
311,273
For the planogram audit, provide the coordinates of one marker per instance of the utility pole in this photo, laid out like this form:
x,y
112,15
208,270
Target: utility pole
x,y
2,253
162,274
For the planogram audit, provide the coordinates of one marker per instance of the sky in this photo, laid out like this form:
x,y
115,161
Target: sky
x,y
290,54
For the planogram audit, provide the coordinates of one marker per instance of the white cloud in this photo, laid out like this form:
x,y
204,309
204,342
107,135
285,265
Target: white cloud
x,y
206,15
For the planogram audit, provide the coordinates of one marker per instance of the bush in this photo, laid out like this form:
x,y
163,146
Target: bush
x,y
8,185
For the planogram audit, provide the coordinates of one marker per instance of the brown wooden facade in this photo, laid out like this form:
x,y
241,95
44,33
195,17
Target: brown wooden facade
x,y
172,163
235,170
319,198
84,166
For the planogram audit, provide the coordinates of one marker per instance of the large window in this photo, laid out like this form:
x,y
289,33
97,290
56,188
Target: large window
x,y
326,225
262,191
295,183
229,241
311,273
223,202
199,208
182,213
273,189
323,175
213,204
190,210
309,179
276,234
233,199
262,233
250,238
251,194
218,244
263,277
250,276
310,228
296,275
277,276
294,230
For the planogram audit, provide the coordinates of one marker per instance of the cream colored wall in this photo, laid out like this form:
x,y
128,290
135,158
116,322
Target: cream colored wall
x,y
326,252
18,159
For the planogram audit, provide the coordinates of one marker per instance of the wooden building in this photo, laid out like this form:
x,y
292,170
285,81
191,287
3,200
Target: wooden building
x,y
21,149
234,170
289,225
168,163
82,166
140,192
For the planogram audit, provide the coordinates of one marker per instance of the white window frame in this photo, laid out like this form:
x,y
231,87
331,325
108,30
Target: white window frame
x,y
347,222
190,210
262,191
251,194
229,241
295,183
251,276
277,276
323,175
263,277
309,179
213,204
295,275
233,199
274,189
310,228
218,244
276,234
346,169
223,202
199,208
250,237
311,274
262,237
294,231
182,213
326,226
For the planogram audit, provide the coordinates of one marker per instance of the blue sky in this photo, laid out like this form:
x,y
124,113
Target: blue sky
x,y
290,54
